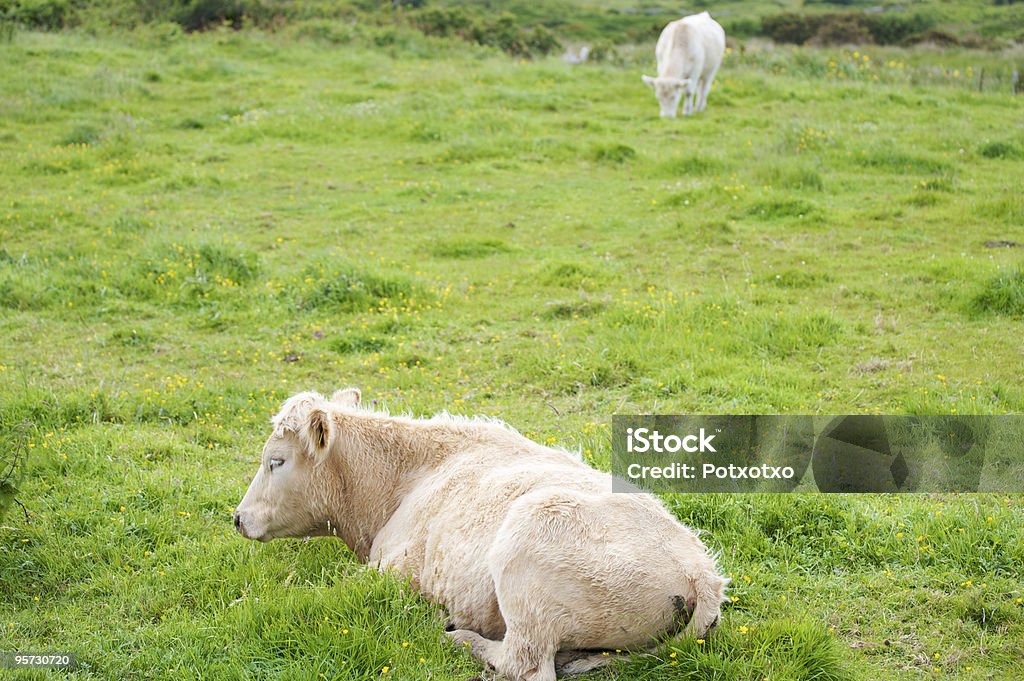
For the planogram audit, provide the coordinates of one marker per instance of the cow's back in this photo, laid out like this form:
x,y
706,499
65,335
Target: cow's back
x,y
691,47
711,36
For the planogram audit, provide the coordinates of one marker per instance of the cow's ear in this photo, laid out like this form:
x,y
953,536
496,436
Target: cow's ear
x,y
349,397
648,81
319,432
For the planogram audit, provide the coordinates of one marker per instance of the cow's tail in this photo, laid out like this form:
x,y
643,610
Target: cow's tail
x,y
705,606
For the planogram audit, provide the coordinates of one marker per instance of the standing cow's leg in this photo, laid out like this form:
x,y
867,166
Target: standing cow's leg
x,y
705,88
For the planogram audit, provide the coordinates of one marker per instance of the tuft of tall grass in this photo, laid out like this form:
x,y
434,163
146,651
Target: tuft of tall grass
x,y
1001,295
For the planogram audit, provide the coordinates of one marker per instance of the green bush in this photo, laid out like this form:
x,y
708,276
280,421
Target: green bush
x,y
540,40
741,27
443,21
48,15
895,29
788,28
844,27
841,29
504,32
201,14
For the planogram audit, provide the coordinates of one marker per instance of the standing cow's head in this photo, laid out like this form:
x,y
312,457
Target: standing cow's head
x,y
669,92
290,494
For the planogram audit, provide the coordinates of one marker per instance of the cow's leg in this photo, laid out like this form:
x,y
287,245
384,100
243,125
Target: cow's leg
x,y
705,89
572,662
484,649
702,94
516,657
693,100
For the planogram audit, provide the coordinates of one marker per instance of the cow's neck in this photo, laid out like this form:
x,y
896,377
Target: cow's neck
x,y
378,458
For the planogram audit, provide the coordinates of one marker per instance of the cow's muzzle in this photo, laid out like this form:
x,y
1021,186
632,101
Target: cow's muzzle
x,y
240,526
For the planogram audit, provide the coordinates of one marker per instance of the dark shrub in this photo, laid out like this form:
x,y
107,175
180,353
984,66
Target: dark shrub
x,y
937,37
841,29
787,28
1001,149
202,14
49,15
443,21
503,33
540,40
894,29
742,27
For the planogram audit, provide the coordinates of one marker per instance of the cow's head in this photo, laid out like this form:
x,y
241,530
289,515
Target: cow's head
x,y
288,496
669,91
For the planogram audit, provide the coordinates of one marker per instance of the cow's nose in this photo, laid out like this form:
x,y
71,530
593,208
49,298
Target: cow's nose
x,y
238,522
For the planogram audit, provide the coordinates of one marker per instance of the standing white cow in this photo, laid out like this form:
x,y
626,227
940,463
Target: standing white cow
x,y
689,53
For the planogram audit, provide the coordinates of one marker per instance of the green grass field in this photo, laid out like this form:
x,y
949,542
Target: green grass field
x,y
193,227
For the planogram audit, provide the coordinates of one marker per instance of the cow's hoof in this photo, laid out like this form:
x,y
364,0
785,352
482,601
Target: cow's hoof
x,y
472,641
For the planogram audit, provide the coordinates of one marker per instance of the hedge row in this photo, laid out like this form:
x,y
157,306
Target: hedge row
x,y
509,32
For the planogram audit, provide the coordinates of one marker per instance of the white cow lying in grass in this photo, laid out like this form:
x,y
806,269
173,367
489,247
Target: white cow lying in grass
x,y
536,561
689,53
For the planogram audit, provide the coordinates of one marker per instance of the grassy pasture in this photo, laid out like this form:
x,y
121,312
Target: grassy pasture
x,y
194,227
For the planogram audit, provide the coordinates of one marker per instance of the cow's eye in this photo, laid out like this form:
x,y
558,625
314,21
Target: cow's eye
x,y
274,463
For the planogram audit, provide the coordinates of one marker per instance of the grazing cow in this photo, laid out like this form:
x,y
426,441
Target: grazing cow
x,y
689,53
537,562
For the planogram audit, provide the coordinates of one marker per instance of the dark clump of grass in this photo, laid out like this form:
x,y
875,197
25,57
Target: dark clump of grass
x,y
197,269
19,294
989,616
689,166
82,134
1003,295
568,275
1001,149
791,649
131,338
469,152
1008,208
782,338
800,177
422,133
470,248
573,310
781,208
130,223
614,153
796,279
191,123
689,198
357,344
240,266
354,290
893,160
